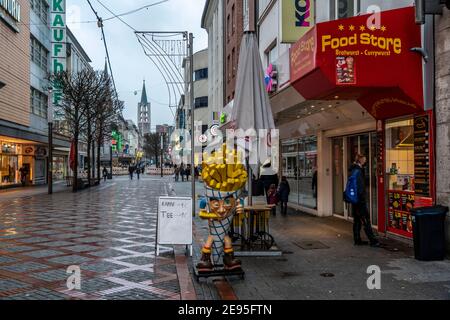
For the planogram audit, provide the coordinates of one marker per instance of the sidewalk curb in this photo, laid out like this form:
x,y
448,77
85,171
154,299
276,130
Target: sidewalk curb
x,y
187,290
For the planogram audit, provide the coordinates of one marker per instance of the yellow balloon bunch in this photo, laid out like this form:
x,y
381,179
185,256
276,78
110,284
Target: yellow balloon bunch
x,y
220,175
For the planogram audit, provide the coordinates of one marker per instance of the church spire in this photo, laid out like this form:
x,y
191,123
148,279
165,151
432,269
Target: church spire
x,y
144,100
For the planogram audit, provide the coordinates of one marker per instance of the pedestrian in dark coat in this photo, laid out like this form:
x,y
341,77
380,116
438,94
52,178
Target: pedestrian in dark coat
x,y
272,196
268,176
361,216
131,171
284,190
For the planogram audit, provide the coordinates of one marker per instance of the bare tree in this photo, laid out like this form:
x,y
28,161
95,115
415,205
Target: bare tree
x,y
152,146
79,92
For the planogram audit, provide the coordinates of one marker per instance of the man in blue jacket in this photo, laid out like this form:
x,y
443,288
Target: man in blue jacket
x,y
361,216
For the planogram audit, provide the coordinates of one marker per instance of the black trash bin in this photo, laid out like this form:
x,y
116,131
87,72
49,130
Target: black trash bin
x,y
429,232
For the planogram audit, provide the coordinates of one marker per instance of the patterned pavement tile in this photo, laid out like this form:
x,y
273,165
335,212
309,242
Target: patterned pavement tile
x,y
58,243
108,253
142,249
113,243
19,248
81,248
140,261
7,284
40,294
70,260
43,253
52,275
101,267
24,267
136,276
134,294
5,259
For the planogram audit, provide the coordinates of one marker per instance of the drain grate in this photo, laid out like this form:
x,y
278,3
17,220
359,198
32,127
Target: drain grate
x,y
327,275
311,245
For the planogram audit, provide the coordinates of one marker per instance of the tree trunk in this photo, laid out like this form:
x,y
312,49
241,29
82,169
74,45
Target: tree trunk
x,y
93,160
75,171
98,159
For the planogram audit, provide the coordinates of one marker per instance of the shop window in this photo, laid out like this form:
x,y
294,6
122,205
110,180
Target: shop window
x,y
201,102
299,165
38,103
340,9
41,9
39,54
9,163
201,74
400,175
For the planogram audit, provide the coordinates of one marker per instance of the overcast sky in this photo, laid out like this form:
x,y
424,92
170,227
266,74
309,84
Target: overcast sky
x,y
129,63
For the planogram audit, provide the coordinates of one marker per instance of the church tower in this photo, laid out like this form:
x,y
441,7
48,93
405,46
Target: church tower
x,y
144,114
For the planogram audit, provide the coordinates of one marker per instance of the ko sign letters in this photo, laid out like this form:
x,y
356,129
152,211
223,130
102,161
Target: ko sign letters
x,y
297,18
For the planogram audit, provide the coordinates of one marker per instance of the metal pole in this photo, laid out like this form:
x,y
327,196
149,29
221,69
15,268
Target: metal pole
x,y
111,159
162,150
50,142
191,71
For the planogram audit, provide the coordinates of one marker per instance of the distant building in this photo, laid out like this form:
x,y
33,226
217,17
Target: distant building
x,y
144,114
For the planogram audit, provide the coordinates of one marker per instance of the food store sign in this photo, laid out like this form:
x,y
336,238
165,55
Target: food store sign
x,y
378,45
12,7
58,35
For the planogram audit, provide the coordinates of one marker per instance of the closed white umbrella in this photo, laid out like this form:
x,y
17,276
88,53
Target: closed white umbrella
x,y
251,108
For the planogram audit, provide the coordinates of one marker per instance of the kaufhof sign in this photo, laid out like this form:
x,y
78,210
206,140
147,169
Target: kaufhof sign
x,y
58,40
297,18
12,8
58,35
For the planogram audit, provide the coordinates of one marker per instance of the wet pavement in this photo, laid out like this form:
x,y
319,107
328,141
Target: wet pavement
x,y
107,231
320,262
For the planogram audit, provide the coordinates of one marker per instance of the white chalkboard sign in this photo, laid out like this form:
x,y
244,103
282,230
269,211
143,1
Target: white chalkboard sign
x,y
174,221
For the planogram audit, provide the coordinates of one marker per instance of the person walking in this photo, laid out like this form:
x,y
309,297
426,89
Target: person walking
x,y
105,174
23,175
177,173
361,216
284,190
182,172
131,171
188,172
268,176
138,172
314,187
272,196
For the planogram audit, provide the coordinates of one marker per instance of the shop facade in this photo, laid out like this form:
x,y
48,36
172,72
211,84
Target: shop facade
x,y
362,92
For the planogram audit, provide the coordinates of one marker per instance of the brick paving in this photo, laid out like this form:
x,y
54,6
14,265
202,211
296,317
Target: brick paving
x,y
108,231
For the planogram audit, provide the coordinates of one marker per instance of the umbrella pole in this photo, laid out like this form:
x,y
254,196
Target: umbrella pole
x,y
250,186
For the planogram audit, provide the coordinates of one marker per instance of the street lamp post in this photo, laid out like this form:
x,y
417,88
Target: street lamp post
x,y
191,56
111,161
50,141
162,151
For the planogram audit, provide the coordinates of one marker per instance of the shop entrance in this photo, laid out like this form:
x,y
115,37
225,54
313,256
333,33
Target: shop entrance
x,y
344,151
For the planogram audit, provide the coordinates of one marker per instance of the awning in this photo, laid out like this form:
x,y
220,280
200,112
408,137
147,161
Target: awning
x,y
354,59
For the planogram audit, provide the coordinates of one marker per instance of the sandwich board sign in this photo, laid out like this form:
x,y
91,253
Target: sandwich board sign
x,y
174,226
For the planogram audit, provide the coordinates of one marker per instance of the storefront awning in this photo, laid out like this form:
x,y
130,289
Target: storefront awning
x,y
352,59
